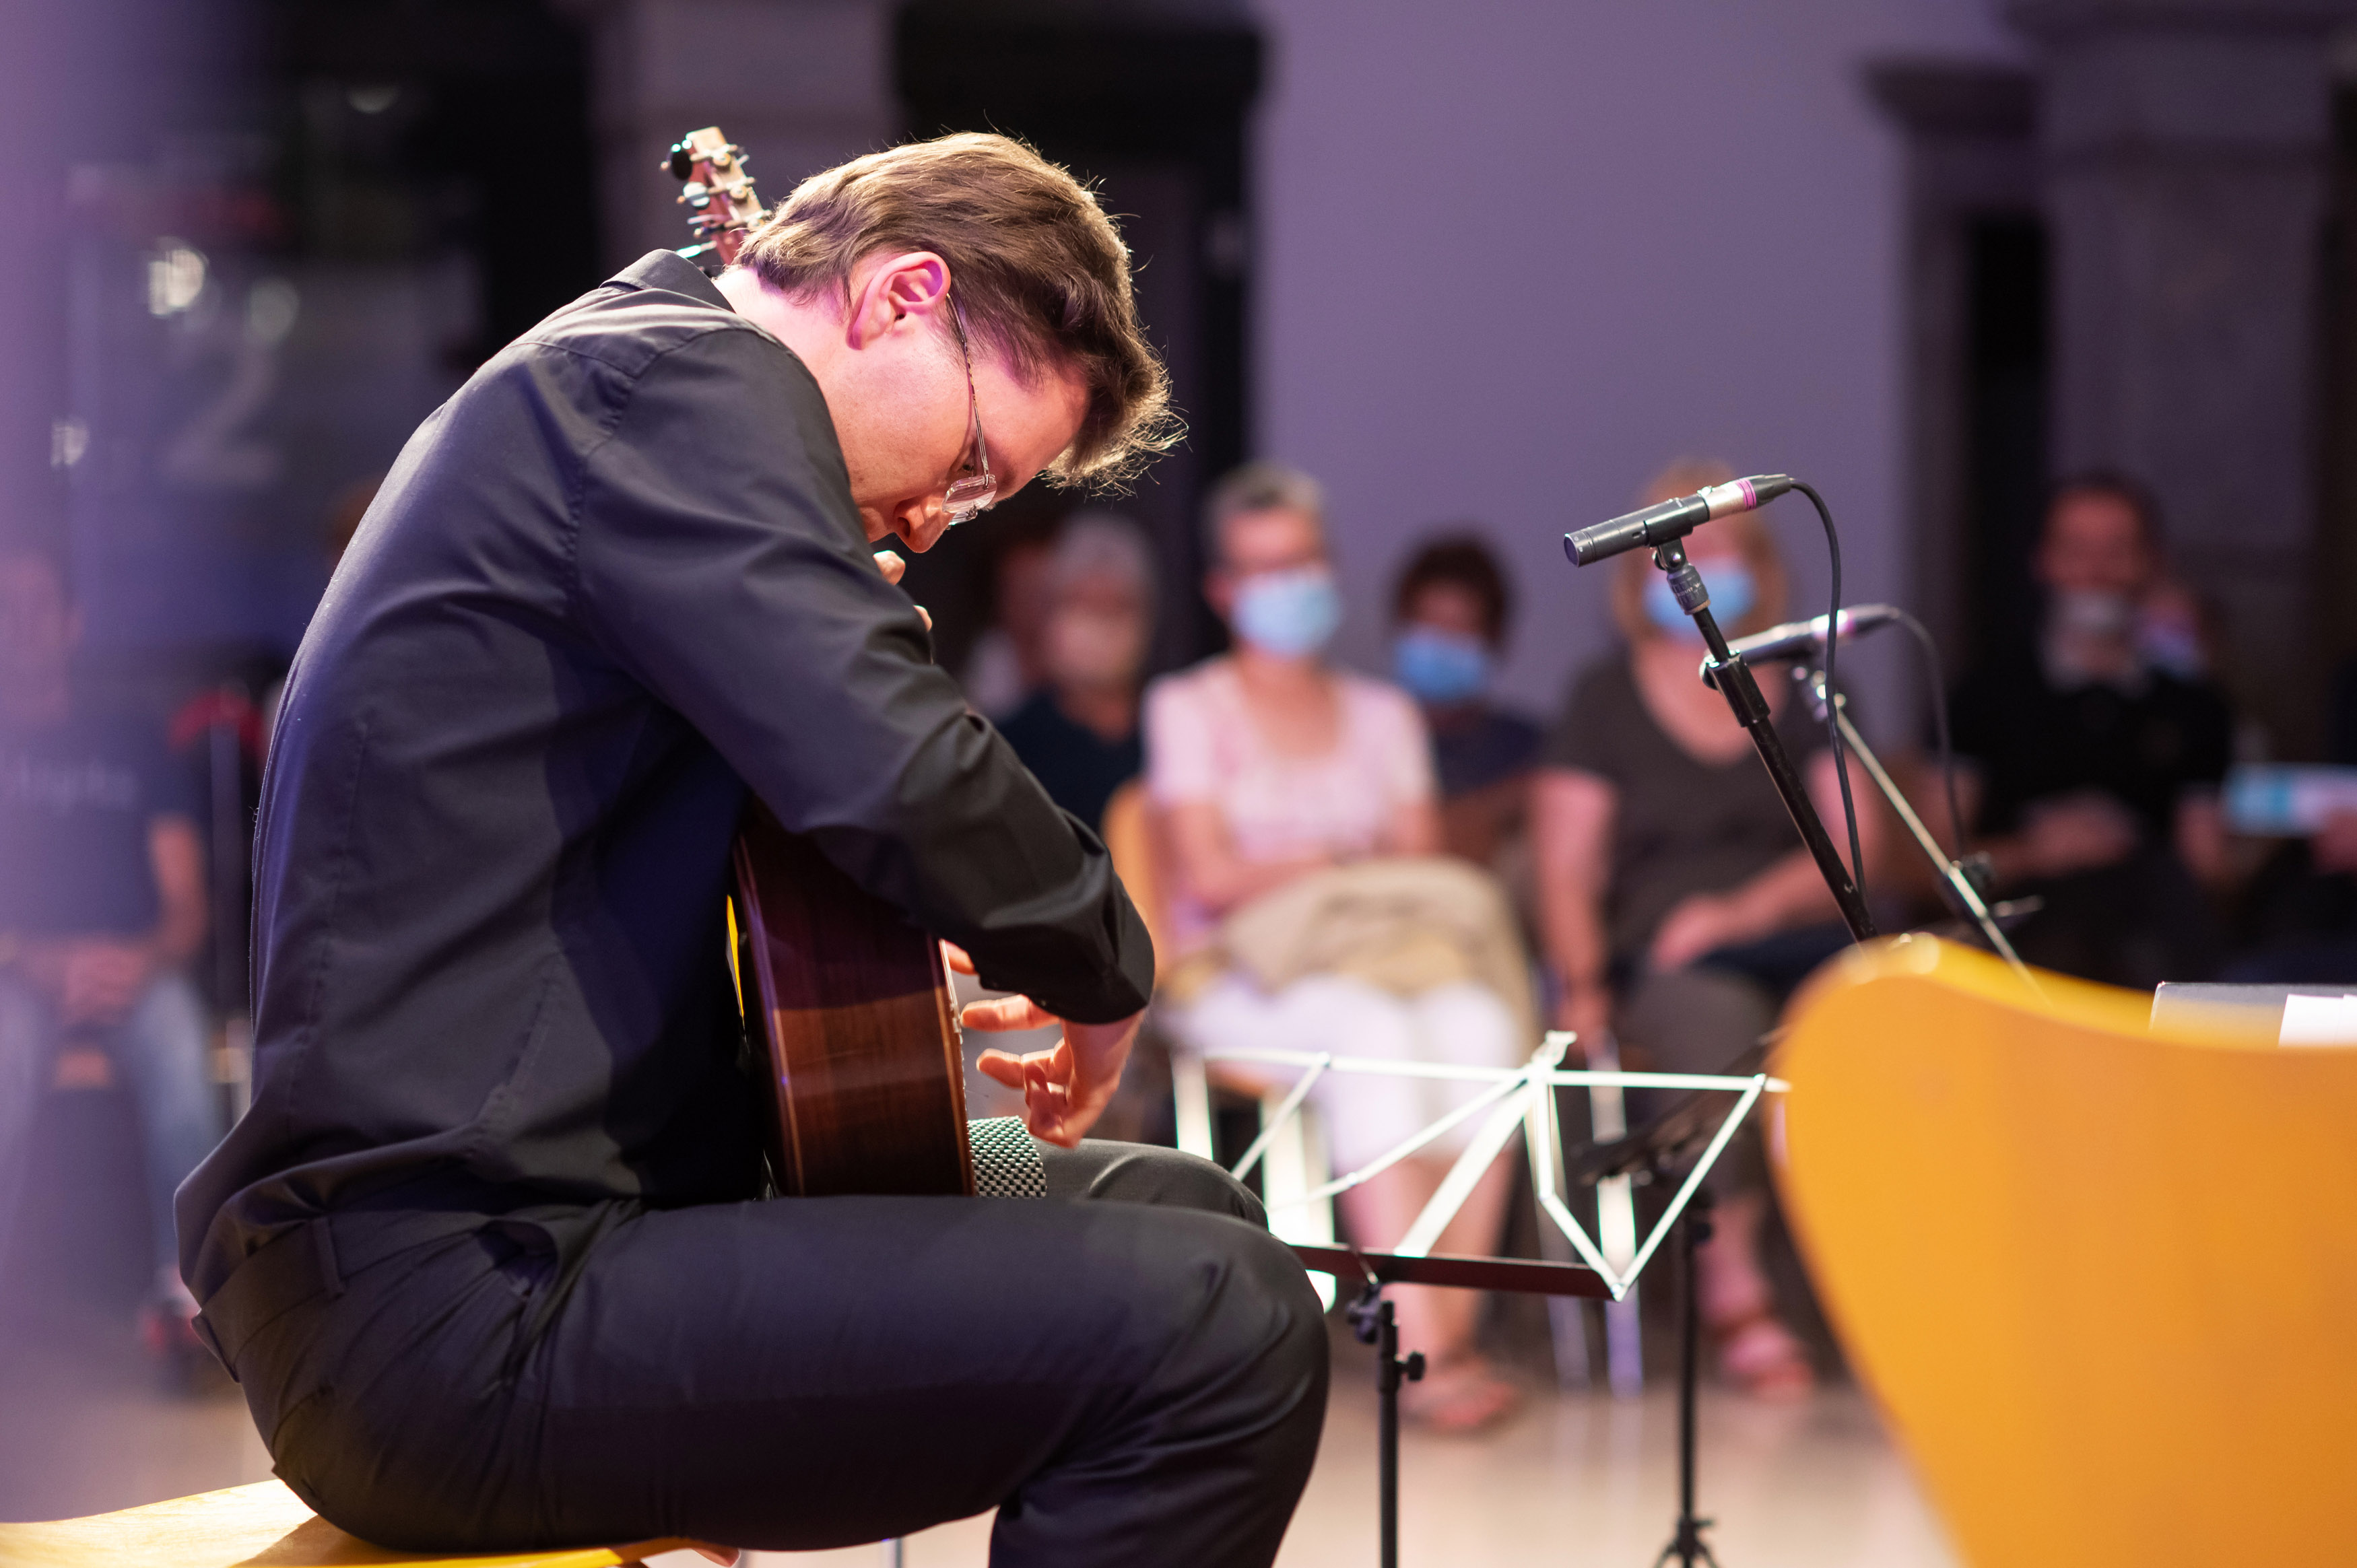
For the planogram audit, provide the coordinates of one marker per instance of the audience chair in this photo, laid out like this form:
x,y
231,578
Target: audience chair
x,y
261,1526
2099,1273
1295,1161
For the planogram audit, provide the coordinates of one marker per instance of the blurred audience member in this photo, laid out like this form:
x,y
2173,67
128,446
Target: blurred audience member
x,y
2095,769
1079,732
1677,905
2298,923
1010,660
1270,768
2176,630
1450,612
101,904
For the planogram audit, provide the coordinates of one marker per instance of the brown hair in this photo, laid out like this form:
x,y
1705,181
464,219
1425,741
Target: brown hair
x,y
1258,486
1037,267
1460,561
1744,530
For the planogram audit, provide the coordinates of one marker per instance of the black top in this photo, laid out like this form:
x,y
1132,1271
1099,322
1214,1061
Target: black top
x,y
77,800
614,580
1078,768
1681,826
1487,748
2144,746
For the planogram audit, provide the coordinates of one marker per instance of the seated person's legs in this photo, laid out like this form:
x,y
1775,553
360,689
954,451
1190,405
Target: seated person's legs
x,y
2134,924
28,1037
161,1047
1365,1116
1126,1383
1699,1020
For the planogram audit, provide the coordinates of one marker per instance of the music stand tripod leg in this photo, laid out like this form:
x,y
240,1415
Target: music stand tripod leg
x,y
1687,1545
1370,1320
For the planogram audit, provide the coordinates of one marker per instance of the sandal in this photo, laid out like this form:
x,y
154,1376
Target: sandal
x,y
1764,1358
1459,1397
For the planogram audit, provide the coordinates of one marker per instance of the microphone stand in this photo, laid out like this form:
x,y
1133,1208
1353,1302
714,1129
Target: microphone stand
x,y
1727,670
1955,881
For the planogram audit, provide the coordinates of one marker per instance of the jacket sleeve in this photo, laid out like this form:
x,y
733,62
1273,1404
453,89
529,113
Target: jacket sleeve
x,y
719,560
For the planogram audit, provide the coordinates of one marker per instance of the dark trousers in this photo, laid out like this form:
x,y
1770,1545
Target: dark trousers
x,y
1139,1379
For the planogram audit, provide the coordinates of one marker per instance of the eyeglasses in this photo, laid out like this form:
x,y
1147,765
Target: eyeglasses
x,y
974,494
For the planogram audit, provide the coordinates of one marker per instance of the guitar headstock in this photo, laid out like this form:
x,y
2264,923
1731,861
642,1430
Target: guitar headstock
x,y
717,194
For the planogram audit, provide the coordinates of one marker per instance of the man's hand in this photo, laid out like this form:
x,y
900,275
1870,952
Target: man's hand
x,y
888,561
90,980
2077,832
1064,1090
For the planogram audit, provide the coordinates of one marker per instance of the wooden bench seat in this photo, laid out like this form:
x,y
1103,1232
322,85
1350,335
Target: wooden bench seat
x,y
261,1526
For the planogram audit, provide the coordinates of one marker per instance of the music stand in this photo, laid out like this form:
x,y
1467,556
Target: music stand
x,y
1516,1099
1650,1151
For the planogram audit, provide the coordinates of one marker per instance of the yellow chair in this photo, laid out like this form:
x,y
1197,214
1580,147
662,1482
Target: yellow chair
x,y
2101,1278
1132,839
261,1526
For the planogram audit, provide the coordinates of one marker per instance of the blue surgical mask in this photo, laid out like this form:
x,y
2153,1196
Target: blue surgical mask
x,y
1441,668
1731,599
1288,614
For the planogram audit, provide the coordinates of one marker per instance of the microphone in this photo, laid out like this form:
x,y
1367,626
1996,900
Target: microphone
x,y
1803,637
1671,520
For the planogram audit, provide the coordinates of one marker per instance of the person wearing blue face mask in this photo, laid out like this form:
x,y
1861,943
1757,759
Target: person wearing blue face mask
x,y
1450,611
1675,899
1269,767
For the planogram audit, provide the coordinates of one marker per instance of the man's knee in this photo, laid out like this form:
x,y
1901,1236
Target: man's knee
x,y
1106,1172
1243,1305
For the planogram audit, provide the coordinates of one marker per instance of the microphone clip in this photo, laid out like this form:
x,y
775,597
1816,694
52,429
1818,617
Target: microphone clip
x,y
1686,584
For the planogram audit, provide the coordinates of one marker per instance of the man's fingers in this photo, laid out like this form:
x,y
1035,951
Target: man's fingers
x,y
957,958
888,561
1001,1067
1005,1012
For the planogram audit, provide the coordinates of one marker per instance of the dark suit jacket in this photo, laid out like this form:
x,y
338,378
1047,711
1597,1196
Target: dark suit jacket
x,y
612,583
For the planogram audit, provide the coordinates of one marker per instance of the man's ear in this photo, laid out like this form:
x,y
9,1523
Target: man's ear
x,y
887,290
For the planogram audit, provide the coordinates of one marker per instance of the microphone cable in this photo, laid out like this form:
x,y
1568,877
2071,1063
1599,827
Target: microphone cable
x,y
1833,692
1938,681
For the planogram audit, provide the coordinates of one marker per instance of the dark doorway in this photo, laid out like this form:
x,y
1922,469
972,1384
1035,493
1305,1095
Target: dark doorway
x,y
1146,100
2336,539
2006,367
412,128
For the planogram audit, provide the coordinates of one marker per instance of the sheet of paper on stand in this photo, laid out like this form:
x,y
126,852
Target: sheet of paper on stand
x,y
2318,1021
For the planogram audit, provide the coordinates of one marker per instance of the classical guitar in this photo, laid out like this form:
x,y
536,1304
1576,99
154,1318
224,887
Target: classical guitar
x,y
851,1003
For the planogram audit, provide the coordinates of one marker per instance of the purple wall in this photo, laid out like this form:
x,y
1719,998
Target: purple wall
x,y
1514,256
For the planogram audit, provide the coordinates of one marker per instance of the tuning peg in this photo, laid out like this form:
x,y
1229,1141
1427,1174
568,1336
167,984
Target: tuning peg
x,y
681,163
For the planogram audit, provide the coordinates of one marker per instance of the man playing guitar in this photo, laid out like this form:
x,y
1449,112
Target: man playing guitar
x,y
490,1254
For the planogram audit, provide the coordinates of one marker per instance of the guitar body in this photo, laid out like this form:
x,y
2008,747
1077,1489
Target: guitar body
x,y
867,1074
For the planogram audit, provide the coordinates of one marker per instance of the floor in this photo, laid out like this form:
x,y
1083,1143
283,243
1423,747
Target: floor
x,y
1575,1480
87,1424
